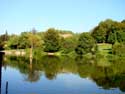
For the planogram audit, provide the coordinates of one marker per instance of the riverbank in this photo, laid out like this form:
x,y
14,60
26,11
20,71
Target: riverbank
x,y
104,49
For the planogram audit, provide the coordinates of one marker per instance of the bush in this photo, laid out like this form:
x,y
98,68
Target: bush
x,y
118,49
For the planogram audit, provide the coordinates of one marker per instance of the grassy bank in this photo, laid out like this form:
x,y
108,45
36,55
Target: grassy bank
x,y
104,48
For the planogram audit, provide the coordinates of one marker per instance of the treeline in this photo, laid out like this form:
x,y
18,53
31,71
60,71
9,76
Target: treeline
x,y
51,40
67,42
111,32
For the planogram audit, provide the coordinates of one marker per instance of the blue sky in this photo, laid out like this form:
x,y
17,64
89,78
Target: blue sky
x,y
76,15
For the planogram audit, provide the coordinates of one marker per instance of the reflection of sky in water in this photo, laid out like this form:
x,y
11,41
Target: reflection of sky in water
x,y
62,84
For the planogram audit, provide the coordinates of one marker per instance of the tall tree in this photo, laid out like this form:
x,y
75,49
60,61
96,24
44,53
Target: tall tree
x,y
102,31
23,40
85,44
13,42
51,40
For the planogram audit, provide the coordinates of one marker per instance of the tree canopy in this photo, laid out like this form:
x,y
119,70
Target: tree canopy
x,y
109,31
67,42
51,40
85,44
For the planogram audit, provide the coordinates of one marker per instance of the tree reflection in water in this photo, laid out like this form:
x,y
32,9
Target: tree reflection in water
x,y
106,73
51,66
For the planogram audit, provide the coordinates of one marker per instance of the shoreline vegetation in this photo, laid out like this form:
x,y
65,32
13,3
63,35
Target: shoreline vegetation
x,y
103,49
107,38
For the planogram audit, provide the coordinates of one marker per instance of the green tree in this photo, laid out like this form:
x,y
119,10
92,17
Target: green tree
x,y
85,44
105,32
118,49
112,38
23,40
51,40
116,33
100,32
121,37
34,40
68,44
13,42
3,40
30,40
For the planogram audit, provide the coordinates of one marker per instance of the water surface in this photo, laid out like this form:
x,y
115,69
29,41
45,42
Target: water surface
x,y
61,75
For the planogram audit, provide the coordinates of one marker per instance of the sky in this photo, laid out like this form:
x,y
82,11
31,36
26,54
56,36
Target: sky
x,y
17,16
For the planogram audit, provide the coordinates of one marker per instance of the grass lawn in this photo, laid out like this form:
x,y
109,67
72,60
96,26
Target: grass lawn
x,y
104,48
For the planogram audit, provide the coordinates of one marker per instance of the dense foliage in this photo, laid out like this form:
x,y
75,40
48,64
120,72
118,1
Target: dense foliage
x,y
67,42
51,41
3,39
85,44
118,49
109,31
68,45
